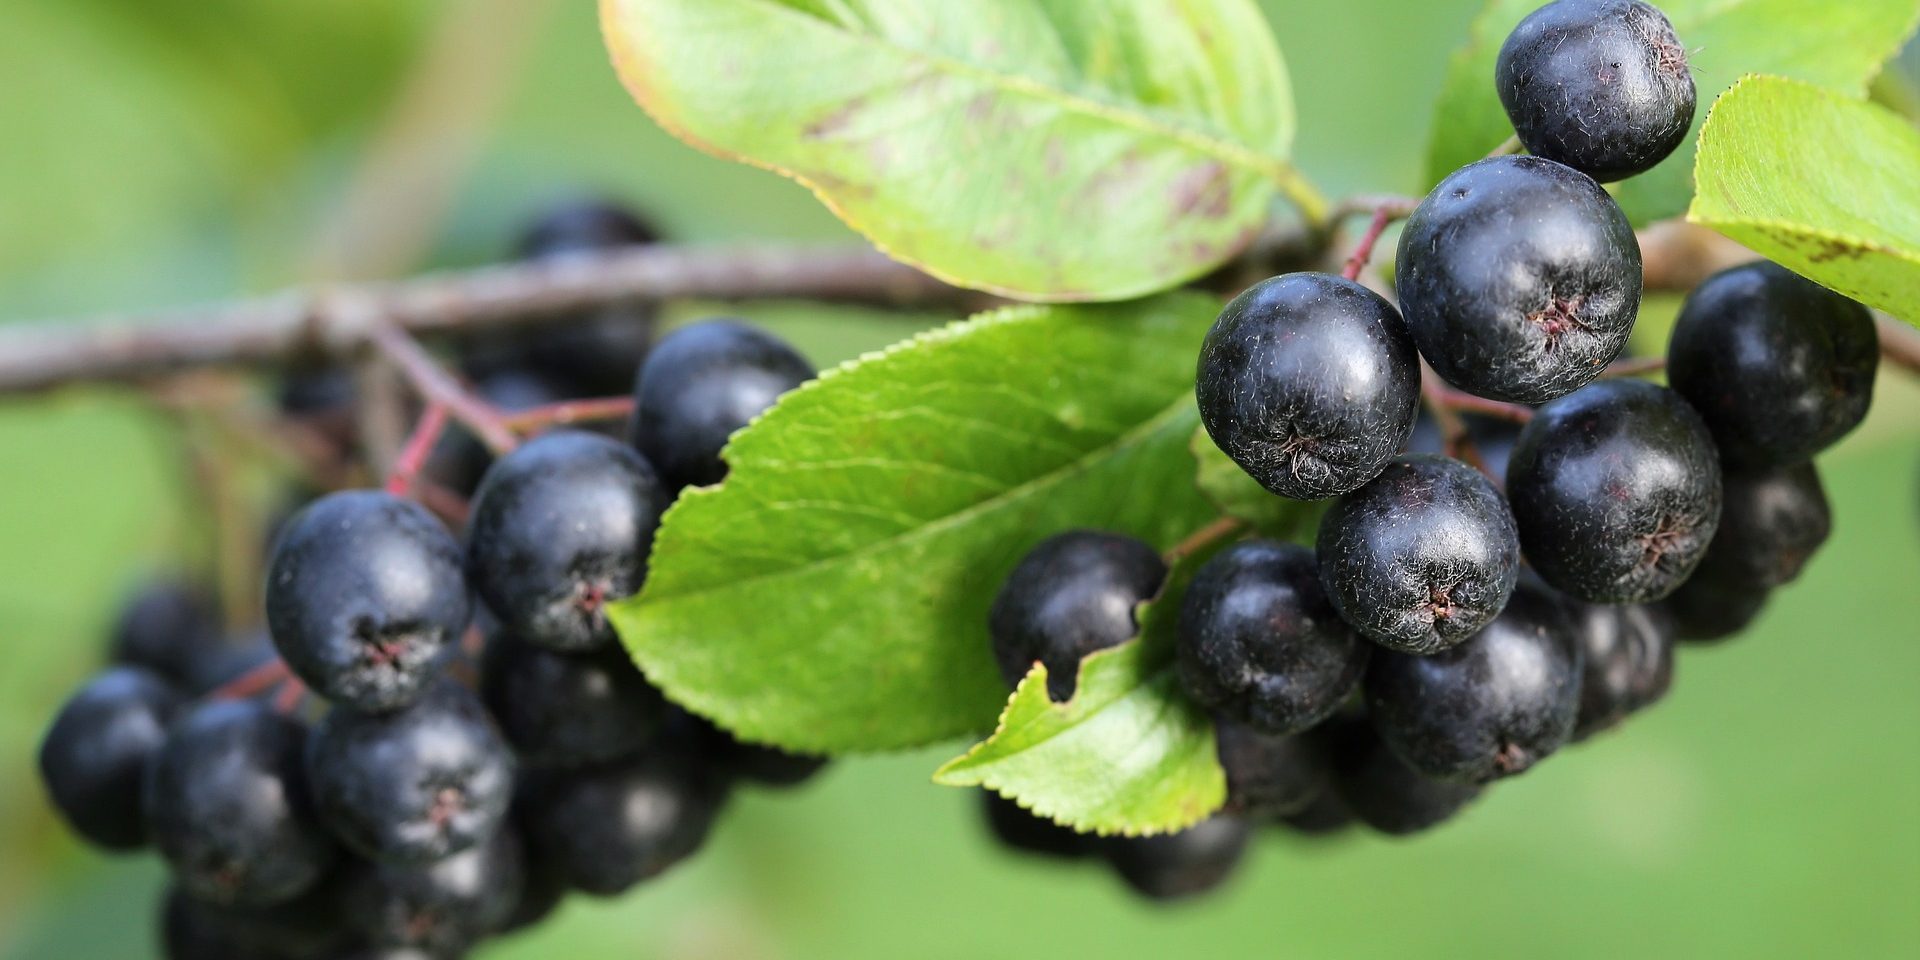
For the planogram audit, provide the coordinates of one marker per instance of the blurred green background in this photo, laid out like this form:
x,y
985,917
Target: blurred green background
x,y
172,151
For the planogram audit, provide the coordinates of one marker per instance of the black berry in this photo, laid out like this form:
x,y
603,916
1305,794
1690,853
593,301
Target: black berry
x,y
1175,866
1599,85
1268,776
1379,789
561,527
1778,366
1018,829
166,626
305,928
1705,611
607,828
1073,594
228,806
1310,383
364,595
93,757
441,908
1422,557
1627,657
567,709
1520,279
699,385
1617,492
732,758
415,784
1325,817
1771,524
1491,707
1260,643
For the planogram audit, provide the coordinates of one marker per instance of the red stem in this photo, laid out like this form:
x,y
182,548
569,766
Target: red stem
x,y
571,411
1363,252
1223,528
1456,401
291,694
437,386
1442,403
1634,367
426,433
254,682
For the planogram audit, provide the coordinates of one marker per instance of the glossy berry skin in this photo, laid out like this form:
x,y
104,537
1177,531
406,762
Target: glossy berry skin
x,y
1627,662
1422,557
1376,787
442,908
412,785
568,709
1599,85
364,596
1617,492
1177,866
1073,594
95,753
1268,776
607,828
1018,829
1778,366
1310,383
1704,611
701,383
1491,707
1519,278
1772,522
560,528
1260,644
1325,817
228,806
165,627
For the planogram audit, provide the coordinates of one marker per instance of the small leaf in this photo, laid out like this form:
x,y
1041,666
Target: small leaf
x,y
1820,183
1045,149
1836,45
832,594
1129,754
1236,494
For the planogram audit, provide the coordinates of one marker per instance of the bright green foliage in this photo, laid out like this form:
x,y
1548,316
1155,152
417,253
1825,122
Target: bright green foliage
x,y
1840,45
1129,754
1236,494
1823,184
1046,149
832,594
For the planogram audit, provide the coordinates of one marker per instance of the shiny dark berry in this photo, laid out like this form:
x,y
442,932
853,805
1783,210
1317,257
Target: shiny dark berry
x,y
1704,611
1177,866
95,754
166,626
1771,524
1310,383
1627,658
1260,643
1073,594
1422,557
1519,278
443,907
567,709
607,828
1269,776
1021,830
1599,85
699,385
1617,492
1376,787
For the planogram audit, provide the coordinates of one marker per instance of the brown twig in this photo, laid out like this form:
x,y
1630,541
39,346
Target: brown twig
x,y
1899,343
1443,404
1221,529
437,386
598,410
1634,367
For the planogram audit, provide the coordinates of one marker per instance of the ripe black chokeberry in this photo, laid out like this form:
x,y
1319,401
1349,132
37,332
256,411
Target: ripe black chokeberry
x,y
735,759
1379,789
1326,816
1173,866
95,754
561,527
1599,85
1026,832
699,385
165,627
1520,279
1705,611
443,907
1268,776
305,928
1260,643
364,594
1627,657
1422,557
560,709
1778,366
1072,595
1772,523
460,460
228,806
1310,383
1617,492
607,828
1491,707
414,784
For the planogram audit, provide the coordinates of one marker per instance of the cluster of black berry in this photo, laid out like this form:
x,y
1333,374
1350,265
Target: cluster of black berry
x,y
1409,658
488,746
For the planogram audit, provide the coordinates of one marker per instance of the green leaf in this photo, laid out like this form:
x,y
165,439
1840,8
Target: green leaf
x,y
832,594
1820,183
1044,149
1129,754
1837,45
1236,494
